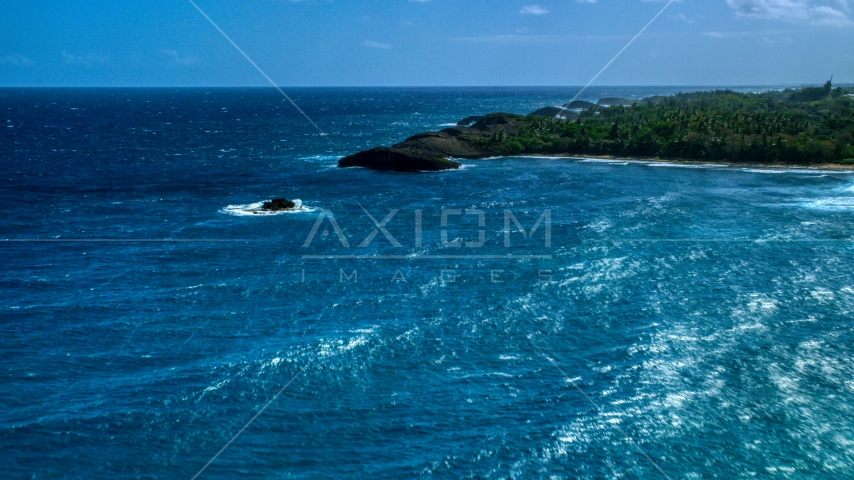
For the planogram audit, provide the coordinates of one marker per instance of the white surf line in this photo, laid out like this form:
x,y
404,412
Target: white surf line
x,y
621,51
598,408
262,73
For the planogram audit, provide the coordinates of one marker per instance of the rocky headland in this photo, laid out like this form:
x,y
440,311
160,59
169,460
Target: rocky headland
x,y
430,151
793,127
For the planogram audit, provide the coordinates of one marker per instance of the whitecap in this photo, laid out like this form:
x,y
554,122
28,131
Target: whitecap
x,y
807,171
762,170
603,160
686,165
256,209
830,204
364,330
322,158
539,157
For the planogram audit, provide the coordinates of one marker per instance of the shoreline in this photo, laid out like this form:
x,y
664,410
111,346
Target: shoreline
x,y
818,166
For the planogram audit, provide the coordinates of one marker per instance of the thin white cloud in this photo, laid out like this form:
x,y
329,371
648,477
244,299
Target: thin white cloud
x,y
682,17
533,10
810,12
180,59
380,45
16,60
83,60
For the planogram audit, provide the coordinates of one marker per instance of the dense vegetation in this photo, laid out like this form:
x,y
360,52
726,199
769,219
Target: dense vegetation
x,y
811,125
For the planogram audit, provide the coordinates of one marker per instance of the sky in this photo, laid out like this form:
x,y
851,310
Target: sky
x,y
106,43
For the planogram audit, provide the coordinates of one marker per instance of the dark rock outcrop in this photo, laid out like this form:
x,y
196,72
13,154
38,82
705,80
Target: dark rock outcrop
x,y
555,112
398,160
278,204
579,104
430,151
469,120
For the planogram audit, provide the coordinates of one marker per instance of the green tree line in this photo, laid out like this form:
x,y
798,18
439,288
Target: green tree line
x,y
806,126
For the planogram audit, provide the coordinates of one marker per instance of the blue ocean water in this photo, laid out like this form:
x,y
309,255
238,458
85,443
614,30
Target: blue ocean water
x,y
692,320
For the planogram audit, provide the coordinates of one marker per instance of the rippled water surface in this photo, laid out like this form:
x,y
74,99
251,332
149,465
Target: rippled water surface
x,y
692,320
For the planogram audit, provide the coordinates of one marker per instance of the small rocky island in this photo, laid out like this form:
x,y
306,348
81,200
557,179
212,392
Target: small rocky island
x,y
278,205
813,125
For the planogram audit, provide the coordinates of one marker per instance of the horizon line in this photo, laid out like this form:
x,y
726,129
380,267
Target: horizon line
x,y
259,87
